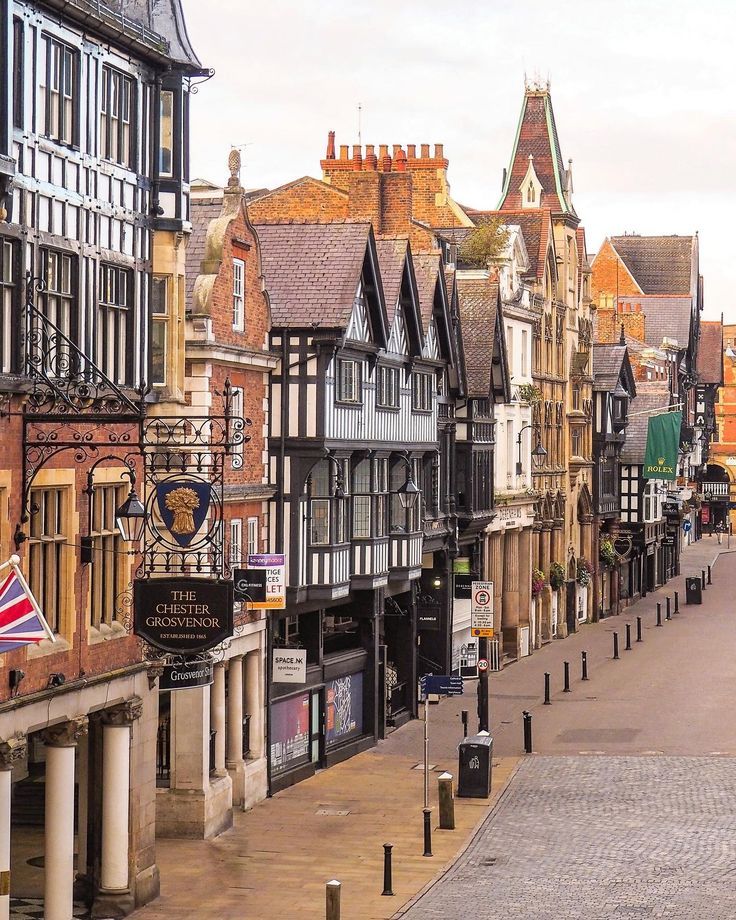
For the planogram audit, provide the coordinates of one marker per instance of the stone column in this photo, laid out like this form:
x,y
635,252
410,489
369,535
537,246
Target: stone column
x,y
254,702
217,716
525,578
114,898
235,761
510,597
83,804
58,892
12,752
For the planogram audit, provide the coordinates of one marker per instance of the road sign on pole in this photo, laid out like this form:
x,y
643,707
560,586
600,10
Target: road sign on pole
x,y
483,664
481,610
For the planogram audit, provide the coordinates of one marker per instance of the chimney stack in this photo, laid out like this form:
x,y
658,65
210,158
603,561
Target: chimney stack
x,y
330,155
357,157
343,151
400,160
411,151
371,161
425,151
439,151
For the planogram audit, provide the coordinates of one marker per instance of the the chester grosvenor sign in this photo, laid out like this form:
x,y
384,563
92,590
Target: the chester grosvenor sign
x,y
183,615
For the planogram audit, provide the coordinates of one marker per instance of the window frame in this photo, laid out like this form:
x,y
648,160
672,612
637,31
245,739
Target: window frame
x,y
45,553
108,573
238,317
422,391
235,542
67,54
253,537
341,396
159,320
388,386
10,293
18,80
169,118
113,117
116,314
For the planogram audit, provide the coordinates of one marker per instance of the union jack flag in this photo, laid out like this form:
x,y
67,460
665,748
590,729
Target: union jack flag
x,y
21,620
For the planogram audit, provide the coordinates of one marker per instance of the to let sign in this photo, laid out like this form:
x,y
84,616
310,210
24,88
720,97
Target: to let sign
x,y
289,666
183,615
481,611
274,565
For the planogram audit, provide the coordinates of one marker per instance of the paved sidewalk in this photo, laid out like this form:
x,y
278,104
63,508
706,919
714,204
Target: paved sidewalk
x,y
275,861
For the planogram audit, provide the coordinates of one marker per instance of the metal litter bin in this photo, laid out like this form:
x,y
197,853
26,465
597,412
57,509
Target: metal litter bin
x,y
693,590
474,772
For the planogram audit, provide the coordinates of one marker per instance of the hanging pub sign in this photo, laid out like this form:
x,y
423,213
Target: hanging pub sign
x,y
186,674
428,616
183,615
183,505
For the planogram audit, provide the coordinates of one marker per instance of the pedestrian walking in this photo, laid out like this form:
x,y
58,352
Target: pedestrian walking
x,y
719,531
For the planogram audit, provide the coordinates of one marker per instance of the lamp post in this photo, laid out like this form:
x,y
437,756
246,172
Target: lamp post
x,y
539,454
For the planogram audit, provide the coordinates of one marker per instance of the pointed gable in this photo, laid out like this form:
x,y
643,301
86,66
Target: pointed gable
x,y
484,347
400,292
434,301
536,136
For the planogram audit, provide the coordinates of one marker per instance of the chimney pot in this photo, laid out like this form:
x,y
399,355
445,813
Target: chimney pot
x,y
411,151
371,161
386,163
400,160
425,151
330,146
382,151
343,151
397,147
439,151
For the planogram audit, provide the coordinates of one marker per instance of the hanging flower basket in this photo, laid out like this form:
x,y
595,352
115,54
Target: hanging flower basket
x,y
556,576
607,552
539,580
584,573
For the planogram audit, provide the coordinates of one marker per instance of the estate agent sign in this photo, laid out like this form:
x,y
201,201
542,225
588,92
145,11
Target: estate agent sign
x,y
183,615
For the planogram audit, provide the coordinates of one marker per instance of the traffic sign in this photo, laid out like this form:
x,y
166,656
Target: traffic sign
x,y
448,684
687,526
483,664
481,610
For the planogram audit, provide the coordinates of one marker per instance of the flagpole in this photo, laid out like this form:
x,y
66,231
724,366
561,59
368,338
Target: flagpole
x,y
13,562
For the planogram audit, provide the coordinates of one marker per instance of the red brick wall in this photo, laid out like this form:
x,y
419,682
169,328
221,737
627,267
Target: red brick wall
x,y
305,200
610,276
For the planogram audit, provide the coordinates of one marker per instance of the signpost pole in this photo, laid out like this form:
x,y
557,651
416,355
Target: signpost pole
x,y
426,750
483,694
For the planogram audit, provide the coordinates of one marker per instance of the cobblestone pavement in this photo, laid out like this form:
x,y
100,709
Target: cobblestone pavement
x,y
600,838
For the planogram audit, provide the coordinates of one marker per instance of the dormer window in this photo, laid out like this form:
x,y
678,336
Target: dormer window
x,y
531,193
531,187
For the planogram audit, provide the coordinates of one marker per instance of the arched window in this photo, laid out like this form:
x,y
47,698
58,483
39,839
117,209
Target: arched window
x,y
530,193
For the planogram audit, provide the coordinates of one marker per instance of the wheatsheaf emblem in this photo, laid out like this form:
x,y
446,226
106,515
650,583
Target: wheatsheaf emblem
x,y
183,502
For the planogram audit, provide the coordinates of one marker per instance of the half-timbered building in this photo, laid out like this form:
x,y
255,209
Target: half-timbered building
x,y
93,201
613,390
353,449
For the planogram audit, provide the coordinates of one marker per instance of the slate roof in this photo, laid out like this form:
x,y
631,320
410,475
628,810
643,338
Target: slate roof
x,y
659,264
607,362
202,211
312,271
669,317
649,396
164,17
710,353
478,302
391,260
537,135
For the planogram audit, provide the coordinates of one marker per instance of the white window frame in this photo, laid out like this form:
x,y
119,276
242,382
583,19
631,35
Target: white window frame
x,y
388,387
235,553
349,381
238,295
252,536
421,391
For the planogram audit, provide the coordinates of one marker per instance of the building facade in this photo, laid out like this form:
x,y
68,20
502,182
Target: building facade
x,y
93,200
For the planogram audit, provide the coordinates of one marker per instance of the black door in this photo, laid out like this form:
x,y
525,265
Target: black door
x,y
571,614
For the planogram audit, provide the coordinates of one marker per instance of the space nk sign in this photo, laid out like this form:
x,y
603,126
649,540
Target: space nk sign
x,y
481,609
289,666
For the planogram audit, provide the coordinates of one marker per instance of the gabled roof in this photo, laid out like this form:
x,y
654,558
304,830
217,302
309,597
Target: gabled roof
x,y
305,197
710,353
434,300
480,318
659,264
312,272
612,369
398,280
536,136
649,396
665,317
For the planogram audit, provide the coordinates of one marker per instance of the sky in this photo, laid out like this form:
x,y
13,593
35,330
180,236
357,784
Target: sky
x,y
643,94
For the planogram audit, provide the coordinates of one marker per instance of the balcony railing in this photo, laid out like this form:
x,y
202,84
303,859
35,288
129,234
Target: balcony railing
x,y
716,489
370,557
406,551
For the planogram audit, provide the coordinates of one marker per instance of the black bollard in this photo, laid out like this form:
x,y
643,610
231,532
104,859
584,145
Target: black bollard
x,y
387,887
677,602
527,732
427,832
638,629
709,573
628,637
659,614
566,688
667,610
464,717
702,578
615,646
584,659
547,700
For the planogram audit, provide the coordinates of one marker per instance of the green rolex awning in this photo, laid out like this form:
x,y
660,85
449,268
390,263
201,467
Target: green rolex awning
x,y
663,440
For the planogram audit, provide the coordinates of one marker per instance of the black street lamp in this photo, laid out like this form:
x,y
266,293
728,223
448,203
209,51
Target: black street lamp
x,y
539,454
131,518
408,493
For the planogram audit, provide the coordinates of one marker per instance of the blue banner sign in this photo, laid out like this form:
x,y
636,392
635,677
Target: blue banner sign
x,y
447,684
